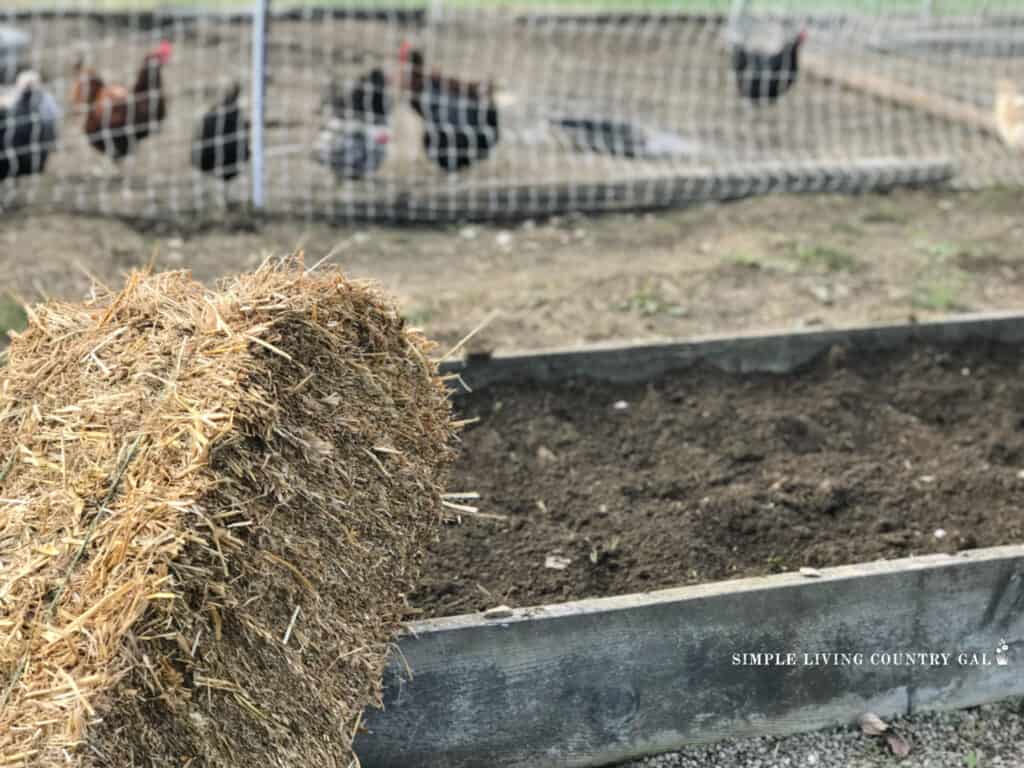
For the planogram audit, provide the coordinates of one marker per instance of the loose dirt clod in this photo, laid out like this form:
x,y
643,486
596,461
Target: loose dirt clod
x,y
212,504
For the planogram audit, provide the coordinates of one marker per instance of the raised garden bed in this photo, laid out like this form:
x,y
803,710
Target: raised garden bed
x,y
646,467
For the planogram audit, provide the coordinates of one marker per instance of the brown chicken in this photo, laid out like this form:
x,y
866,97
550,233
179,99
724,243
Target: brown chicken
x,y
116,118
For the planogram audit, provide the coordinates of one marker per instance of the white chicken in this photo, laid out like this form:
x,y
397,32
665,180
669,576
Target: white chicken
x,y
352,150
1009,114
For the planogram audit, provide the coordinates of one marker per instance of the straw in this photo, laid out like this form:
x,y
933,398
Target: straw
x,y
215,502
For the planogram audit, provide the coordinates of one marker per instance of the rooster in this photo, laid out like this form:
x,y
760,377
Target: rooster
x,y
764,77
460,118
221,144
28,127
1009,114
117,119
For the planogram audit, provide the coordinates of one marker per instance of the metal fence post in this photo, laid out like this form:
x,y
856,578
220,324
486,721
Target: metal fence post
x,y
260,12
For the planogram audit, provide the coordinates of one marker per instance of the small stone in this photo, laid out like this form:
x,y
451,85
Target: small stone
x,y
499,612
469,233
557,562
620,405
872,725
503,239
823,294
940,533
545,455
810,573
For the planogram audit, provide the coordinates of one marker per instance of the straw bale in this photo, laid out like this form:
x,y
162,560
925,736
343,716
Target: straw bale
x,y
211,507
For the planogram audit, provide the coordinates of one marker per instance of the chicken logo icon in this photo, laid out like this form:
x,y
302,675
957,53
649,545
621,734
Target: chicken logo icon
x,y
1001,658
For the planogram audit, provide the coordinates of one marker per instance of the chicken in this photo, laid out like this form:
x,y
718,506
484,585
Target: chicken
x,y
764,77
354,139
117,119
368,100
28,127
352,150
1009,114
220,146
460,119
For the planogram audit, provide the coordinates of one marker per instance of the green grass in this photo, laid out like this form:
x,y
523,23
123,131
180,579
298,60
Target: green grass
x,y
940,252
12,317
825,258
419,316
882,216
940,293
647,302
744,259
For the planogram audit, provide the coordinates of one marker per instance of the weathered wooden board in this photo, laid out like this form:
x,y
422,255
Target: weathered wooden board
x,y
773,352
597,681
893,91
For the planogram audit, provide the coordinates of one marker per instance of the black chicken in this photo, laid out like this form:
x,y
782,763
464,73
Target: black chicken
x,y
28,127
368,101
221,143
460,118
764,77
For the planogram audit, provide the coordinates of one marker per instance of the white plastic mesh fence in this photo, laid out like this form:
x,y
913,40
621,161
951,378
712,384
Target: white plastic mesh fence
x,y
580,106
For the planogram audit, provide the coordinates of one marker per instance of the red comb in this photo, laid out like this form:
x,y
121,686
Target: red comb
x,y
403,50
164,51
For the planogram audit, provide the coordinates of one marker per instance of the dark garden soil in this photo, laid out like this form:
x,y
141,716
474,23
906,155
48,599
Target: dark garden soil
x,y
706,476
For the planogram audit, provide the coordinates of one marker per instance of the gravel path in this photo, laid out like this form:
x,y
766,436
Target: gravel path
x,y
991,736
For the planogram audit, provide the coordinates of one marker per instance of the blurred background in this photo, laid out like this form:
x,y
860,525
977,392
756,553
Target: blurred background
x,y
592,170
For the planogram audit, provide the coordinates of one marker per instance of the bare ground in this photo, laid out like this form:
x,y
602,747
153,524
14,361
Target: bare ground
x,y
702,476
772,262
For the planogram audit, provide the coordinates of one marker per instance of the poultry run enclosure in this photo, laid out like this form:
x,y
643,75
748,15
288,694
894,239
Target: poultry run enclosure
x,y
598,105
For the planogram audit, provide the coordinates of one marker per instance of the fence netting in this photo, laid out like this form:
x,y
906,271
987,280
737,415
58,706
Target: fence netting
x,y
451,109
